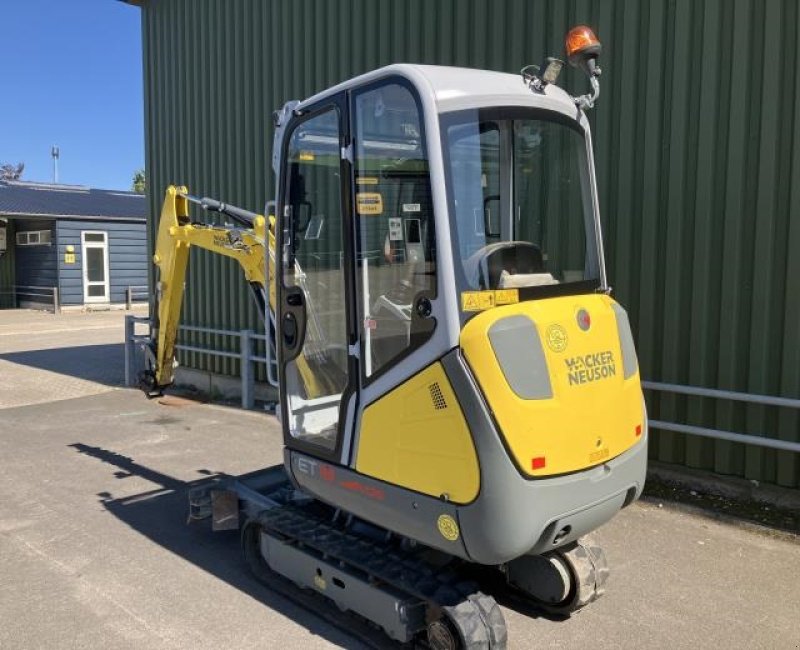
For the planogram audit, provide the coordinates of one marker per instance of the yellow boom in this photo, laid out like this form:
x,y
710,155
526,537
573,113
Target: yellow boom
x,y
247,245
176,234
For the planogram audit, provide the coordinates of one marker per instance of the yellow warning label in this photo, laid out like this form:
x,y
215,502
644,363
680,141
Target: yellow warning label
x,y
448,527
366,180
481,300
369,203
506,296
306,155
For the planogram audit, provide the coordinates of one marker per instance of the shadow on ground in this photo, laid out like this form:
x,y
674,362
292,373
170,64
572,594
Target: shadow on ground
x,y
103,364
161,515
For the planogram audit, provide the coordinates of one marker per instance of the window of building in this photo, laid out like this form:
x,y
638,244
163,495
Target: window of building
x,y
34,238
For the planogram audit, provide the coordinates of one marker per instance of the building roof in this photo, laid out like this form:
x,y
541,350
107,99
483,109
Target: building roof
x,y
29,199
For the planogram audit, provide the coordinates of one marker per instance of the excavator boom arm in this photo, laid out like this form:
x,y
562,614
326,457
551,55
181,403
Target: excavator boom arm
x,y
176,235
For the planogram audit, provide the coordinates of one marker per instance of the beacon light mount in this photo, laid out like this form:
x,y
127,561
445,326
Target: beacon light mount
x,y
582,48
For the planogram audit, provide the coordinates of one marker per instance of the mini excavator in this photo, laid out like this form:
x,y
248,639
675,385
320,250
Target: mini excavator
x,y
458,390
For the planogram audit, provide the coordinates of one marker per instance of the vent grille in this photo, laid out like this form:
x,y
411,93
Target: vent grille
x,y
439,402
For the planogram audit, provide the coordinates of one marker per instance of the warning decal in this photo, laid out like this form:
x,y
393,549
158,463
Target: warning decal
x,y
482,300
369,203
448,527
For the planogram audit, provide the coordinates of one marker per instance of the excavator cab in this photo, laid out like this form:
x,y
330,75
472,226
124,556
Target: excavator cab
x,y
433,219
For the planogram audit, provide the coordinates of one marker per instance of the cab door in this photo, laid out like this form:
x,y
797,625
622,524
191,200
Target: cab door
x,y
315,329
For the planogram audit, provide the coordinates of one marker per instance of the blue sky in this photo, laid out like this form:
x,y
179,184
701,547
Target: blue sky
x,y
72,76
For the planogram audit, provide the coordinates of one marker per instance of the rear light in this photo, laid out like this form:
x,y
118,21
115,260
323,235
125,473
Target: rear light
x,y
539,462
638,430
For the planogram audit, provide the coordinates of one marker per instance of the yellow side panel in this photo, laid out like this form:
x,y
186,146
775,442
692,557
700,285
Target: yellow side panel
x,y
594,413
416,437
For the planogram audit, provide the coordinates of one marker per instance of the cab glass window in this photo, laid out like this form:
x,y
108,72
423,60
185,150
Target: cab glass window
x,y
396,264
313,267
520,201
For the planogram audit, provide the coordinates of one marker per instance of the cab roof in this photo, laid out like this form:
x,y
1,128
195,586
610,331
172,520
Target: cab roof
x,y
453,88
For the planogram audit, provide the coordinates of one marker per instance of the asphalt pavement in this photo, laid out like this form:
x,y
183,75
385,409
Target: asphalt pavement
x,y
95,550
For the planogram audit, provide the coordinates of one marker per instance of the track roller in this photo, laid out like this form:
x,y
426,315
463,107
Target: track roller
x,y
475,623
563,581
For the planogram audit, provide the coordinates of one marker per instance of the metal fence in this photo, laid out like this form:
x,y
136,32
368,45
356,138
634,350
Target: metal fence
x,y
245,354
35,294
136,293
717,434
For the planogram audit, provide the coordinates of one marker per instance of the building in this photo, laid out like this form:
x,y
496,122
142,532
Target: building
x,y
69,245
697,138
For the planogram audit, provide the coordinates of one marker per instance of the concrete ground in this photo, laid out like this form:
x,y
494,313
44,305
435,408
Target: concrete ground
x,y
95,550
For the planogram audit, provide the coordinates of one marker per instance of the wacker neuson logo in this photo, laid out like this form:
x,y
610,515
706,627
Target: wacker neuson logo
x,y
584,368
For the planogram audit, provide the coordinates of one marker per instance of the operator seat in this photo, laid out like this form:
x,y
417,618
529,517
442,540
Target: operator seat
x,y
485,267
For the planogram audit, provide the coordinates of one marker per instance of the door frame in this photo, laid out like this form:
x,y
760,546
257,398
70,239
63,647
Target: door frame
x,y
85,267
348,401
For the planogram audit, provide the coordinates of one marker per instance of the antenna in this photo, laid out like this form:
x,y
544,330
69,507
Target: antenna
x,y
55,152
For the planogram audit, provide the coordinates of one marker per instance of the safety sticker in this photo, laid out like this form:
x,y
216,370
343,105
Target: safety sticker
x,y
556,338
448,527
366,180
482,300
395,229
369,203
506,296
411,207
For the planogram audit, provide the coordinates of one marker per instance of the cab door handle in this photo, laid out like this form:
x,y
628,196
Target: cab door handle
x,y
289,330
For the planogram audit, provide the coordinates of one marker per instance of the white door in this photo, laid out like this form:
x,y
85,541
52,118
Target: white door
x,y
94,247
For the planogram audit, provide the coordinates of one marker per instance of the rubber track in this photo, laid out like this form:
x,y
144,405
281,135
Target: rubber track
x,y
347,623
404,570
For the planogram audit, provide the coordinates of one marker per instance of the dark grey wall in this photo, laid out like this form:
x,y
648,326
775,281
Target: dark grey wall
x,y
35,265
7,278
127,257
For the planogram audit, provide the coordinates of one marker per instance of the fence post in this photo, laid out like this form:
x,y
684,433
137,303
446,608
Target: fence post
x,y
129,347
128,299
246,370
56,304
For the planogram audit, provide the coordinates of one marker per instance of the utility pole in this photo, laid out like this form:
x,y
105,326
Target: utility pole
x,y
55,152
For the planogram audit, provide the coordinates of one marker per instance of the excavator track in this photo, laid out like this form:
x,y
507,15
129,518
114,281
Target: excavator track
x,y
456,614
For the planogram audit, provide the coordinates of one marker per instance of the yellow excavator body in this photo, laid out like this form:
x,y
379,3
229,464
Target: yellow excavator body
x,y
454,377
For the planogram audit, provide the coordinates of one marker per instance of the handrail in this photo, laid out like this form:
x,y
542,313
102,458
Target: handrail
x,y
135,290
45,292
245,353
718,434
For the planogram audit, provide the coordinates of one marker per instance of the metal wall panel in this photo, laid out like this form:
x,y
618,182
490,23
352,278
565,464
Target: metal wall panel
x,y
697,137
7,278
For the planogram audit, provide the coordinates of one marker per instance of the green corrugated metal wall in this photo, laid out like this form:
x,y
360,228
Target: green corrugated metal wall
x,y
7,280
697,137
